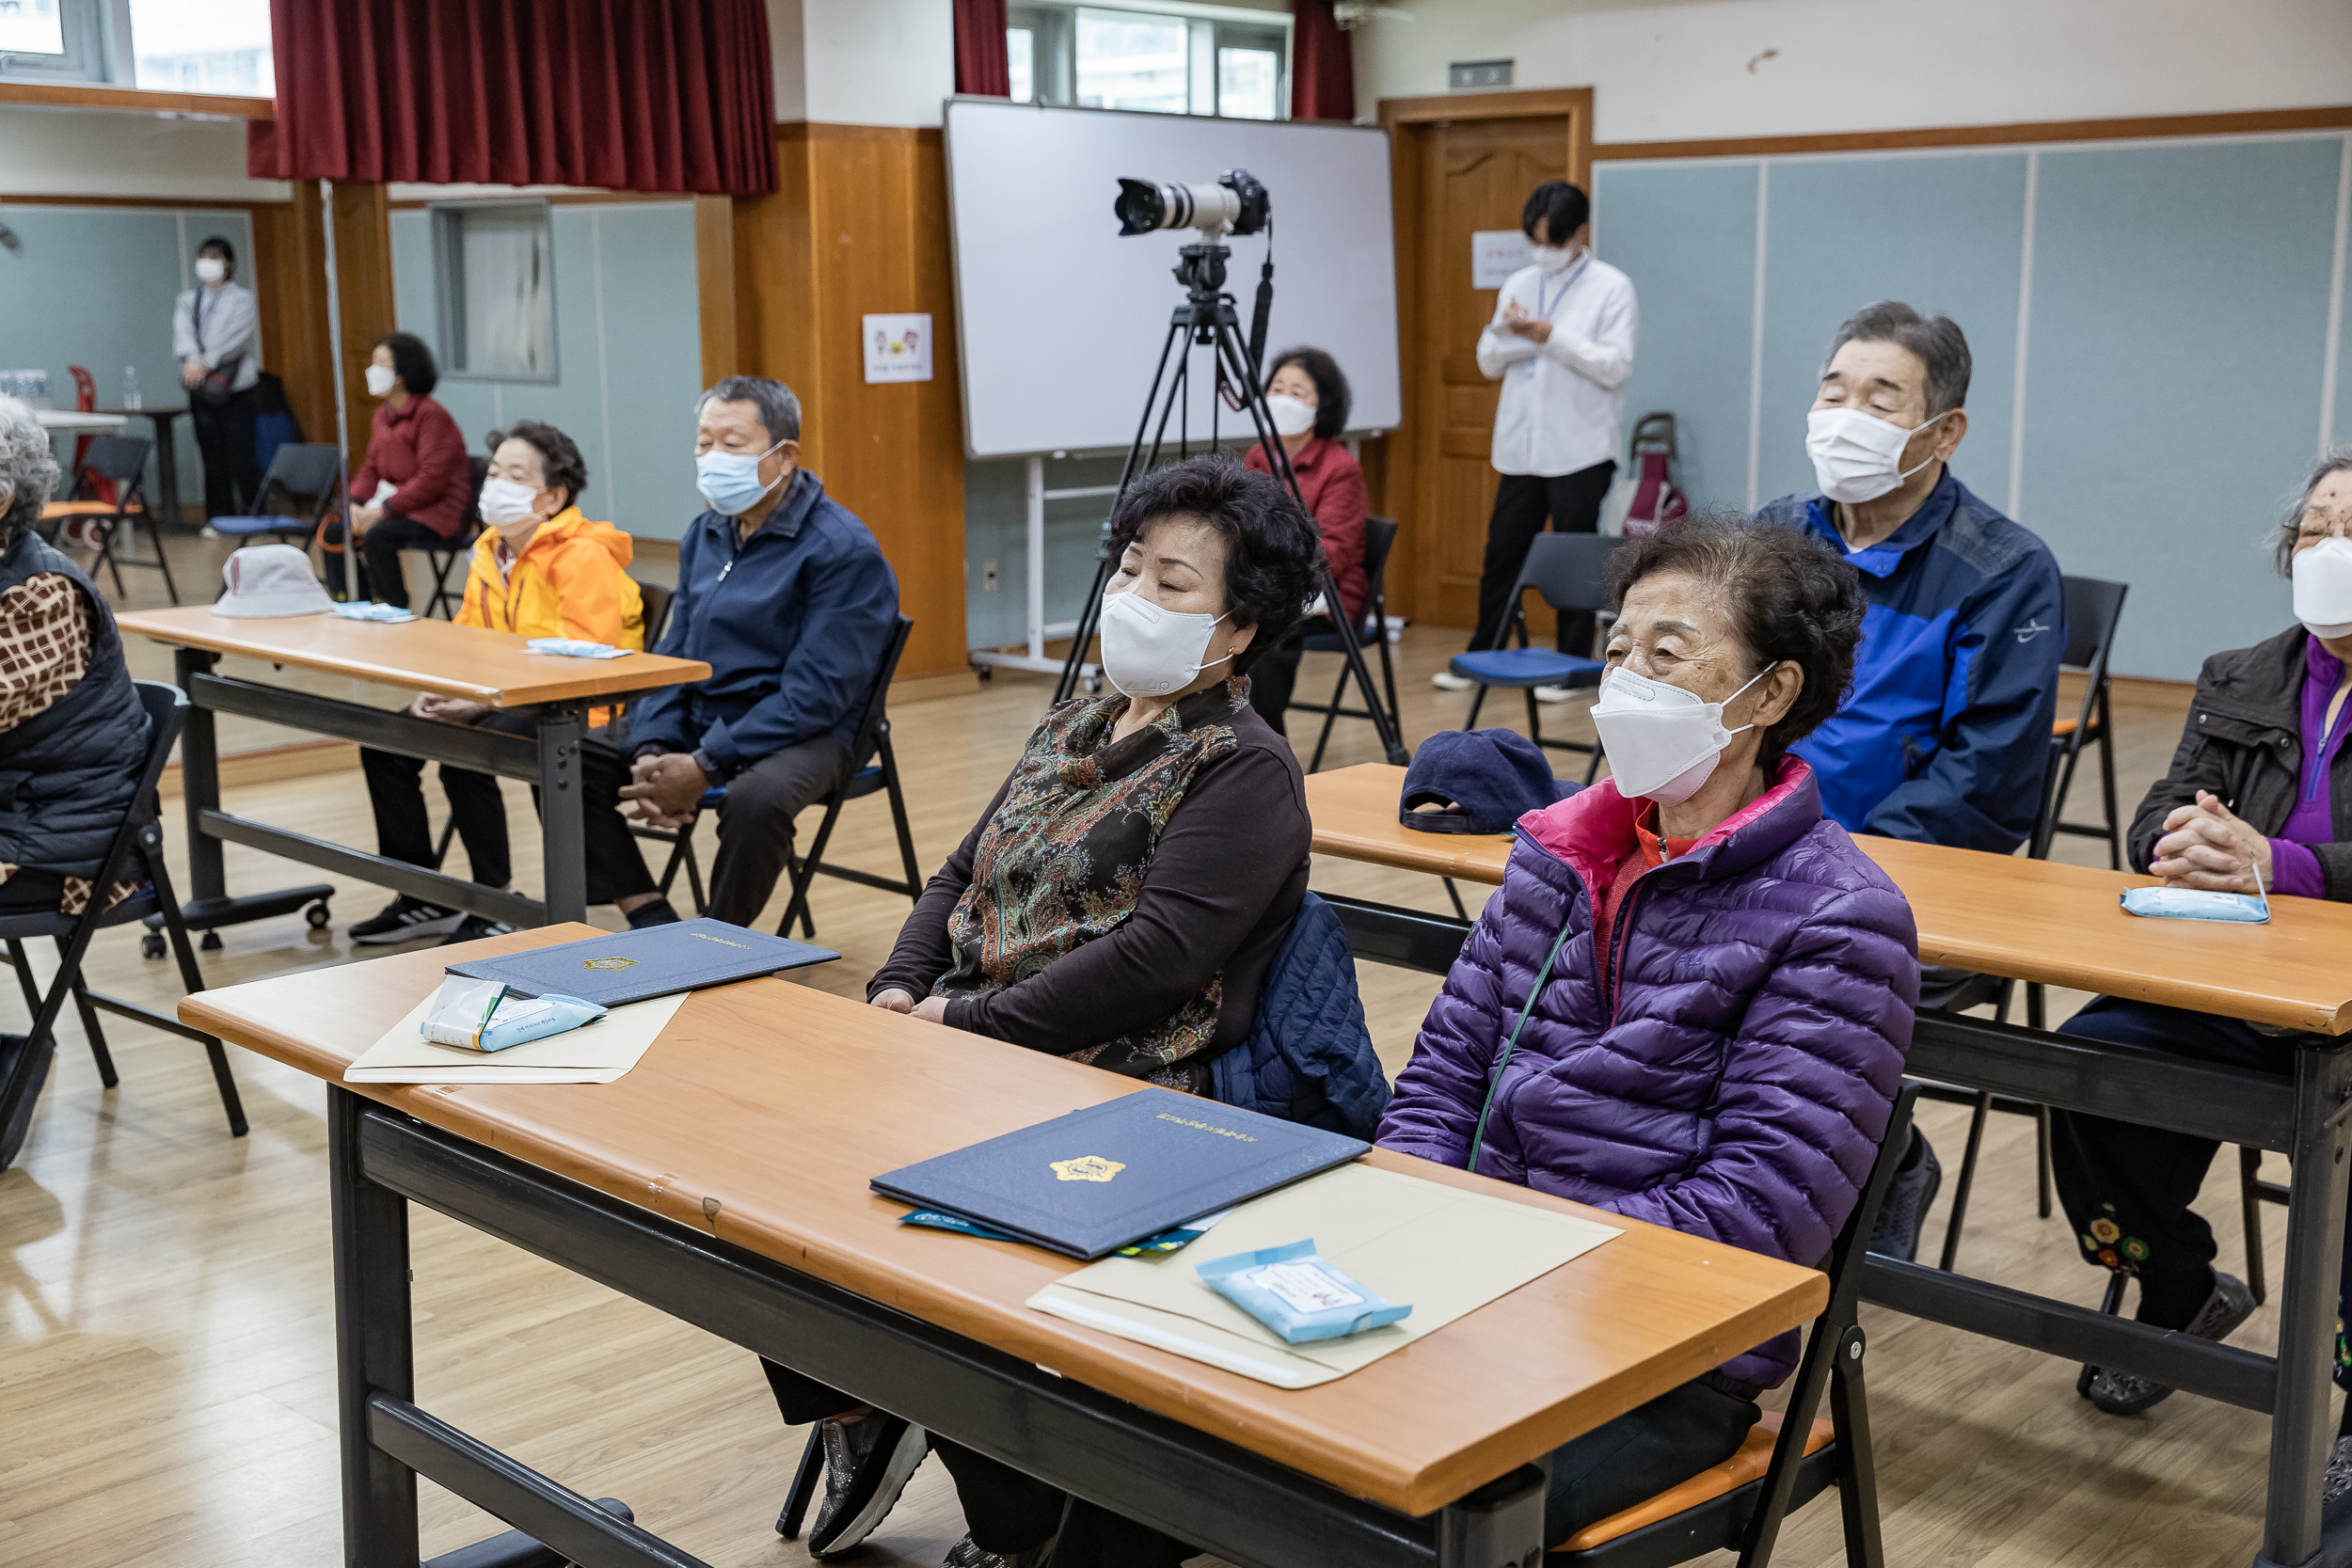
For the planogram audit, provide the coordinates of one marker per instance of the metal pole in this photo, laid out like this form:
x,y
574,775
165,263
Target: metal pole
x,y
1035,570
2300,1433
343,414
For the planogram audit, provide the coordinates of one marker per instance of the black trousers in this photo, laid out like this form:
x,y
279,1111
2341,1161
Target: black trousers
x,y
404,832
1522,503
379,574
1641,1453
224,439
1272,680
756,822
2127,1189
1006,1511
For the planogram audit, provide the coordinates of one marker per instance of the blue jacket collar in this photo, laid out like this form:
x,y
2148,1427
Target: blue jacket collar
x,y
1881,559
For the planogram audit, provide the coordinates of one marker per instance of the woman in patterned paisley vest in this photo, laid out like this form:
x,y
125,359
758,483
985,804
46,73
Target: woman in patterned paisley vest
x,y
1119,903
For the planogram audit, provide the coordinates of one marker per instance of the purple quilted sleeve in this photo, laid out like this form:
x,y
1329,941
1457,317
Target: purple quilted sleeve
x,y
1439,1094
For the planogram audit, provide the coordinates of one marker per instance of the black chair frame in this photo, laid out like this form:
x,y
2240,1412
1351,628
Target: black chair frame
x,y
1568,571
138,844
872,738
1379,541
300,468
1748,1519
441,558
123,460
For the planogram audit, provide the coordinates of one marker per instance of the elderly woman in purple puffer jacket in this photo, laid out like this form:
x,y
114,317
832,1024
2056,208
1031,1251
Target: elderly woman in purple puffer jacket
x,y
1689,1001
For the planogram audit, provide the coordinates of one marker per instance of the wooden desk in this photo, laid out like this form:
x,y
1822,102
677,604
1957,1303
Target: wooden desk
x,y
2061,926
724,1181
74,421
493,668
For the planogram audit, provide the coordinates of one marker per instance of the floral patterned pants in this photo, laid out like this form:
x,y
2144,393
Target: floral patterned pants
x,y
2126,1188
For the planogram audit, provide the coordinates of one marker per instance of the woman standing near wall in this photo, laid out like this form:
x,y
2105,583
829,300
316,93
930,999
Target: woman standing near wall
x,y
212,335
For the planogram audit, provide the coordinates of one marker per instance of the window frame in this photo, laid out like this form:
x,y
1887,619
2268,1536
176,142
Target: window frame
x,y
1210,29
83,25
447,219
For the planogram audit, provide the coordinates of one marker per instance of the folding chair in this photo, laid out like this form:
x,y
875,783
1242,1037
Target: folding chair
x,y
1379,539
137,846
1569,571
873,740
121,460
2094,608
441,558
1789,1458
296,469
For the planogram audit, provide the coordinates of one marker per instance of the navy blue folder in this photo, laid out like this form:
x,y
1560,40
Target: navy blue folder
x,y
632,966
1089,1183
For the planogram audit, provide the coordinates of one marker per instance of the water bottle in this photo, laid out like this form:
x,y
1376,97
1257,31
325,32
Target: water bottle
x,y
131,386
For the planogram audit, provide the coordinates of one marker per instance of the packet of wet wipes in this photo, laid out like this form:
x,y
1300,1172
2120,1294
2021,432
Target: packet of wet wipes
x,y
2191,903
481,1015
1295,1293
380,611
574,647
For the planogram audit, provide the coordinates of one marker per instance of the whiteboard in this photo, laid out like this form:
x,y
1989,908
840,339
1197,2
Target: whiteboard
x,y
1060,321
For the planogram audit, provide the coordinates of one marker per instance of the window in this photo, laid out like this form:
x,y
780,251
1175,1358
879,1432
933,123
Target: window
x,y
494,270
203,46
51,40
1170,57
31,27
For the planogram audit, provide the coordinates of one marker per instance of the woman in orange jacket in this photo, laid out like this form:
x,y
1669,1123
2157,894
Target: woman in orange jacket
x,y
540,568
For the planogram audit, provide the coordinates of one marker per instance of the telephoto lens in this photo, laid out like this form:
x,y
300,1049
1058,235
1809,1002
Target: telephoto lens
x,y
1236,203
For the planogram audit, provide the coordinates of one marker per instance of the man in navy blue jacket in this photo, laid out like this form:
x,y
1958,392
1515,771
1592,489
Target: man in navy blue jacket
x,y
1946,734
786,596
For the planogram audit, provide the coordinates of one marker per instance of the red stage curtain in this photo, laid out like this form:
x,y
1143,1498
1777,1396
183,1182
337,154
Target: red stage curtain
x,y
636,95
1322,73
981,63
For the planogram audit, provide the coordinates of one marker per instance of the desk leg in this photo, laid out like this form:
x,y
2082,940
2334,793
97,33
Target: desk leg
x,y
373,1349
1498,1525
2300,1435
563,814
167,501
200,779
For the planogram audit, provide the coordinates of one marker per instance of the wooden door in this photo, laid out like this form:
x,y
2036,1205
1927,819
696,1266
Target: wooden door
x,y
1461,164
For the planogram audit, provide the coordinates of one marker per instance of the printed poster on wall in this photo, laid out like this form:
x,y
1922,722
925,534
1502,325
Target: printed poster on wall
x,y
898,348
1496,254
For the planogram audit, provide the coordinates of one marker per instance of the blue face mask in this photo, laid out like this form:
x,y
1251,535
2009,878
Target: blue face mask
x,y
729,480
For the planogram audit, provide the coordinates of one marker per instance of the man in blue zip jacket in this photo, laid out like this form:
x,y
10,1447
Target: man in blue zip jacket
x,y
786,596
1945,737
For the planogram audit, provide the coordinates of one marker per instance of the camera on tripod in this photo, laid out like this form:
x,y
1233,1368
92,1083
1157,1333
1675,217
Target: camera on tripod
x,y
1236,204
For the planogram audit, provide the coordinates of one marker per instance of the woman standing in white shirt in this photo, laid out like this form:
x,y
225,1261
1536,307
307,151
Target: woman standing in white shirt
x,y
213,335
1561,344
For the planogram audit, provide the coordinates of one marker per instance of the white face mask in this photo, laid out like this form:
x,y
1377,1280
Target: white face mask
x,y
2322,588
1857,457
379,381
211,269
1150,652
1662,742
507,506
1292,416
1556,259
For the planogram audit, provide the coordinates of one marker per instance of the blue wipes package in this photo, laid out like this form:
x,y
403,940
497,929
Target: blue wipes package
x,y
2189,903
939,1219
574,647
1295,1293
378,610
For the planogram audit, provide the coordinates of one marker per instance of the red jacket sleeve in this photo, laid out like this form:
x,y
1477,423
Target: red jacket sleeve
x,y
440,465
364,484
1340,513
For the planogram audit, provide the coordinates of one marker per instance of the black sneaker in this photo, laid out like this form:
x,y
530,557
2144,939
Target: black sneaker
x,y
1909,1198
659,912
963,1553
405,919
868,1461
474,927
35,1072
2337,1479
2128,1394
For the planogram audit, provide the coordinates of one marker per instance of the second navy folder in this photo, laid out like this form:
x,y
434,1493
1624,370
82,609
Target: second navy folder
x,y
633,966
1090,1182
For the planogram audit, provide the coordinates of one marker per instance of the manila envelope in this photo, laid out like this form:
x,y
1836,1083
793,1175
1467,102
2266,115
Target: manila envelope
x,y
594,1053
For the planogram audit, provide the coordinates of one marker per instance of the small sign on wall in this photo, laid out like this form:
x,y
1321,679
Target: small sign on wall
x,y
898,348
1495,254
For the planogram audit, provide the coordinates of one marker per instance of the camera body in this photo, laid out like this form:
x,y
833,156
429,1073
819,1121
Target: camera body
x,y
1236,203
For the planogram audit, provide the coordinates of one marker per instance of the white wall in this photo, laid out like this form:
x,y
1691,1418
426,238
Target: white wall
x,y
1669,71
862,62
126,153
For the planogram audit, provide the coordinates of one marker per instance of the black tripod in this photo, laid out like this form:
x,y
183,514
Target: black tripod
x,y
1208,320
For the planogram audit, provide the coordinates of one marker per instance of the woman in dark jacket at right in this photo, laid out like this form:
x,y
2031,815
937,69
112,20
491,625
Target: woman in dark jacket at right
x,y
2259,799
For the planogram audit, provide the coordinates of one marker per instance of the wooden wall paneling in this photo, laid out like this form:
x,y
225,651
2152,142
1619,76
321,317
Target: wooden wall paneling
x,y
363,278
290,283
858,225
714,284
1459,164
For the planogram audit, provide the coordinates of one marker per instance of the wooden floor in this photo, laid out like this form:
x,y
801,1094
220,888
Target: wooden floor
x,y
167,1335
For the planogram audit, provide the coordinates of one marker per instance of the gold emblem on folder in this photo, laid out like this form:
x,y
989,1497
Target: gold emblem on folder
x,y
608,963
1086,1168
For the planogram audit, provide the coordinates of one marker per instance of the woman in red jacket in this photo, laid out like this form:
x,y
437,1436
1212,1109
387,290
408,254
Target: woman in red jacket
x,y
415,486
1308,399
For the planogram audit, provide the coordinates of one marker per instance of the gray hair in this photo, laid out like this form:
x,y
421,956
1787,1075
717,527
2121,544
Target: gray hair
x,y
779,410
28,469
1938,342
2336,462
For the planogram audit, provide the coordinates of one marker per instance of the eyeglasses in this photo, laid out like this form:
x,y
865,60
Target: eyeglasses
x,y
2317,526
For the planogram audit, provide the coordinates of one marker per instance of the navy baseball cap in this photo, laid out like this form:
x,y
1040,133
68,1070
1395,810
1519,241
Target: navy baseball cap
x,y
1486,780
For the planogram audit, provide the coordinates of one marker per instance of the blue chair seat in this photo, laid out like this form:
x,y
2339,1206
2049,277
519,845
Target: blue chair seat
x,y
245,527
1527,667
1326,640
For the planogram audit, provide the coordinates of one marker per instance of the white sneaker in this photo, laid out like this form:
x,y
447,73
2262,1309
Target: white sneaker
x,y
1552,694
1446,680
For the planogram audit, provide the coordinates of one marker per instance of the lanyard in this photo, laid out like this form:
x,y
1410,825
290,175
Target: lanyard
x,y
1545,310
1502,1058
